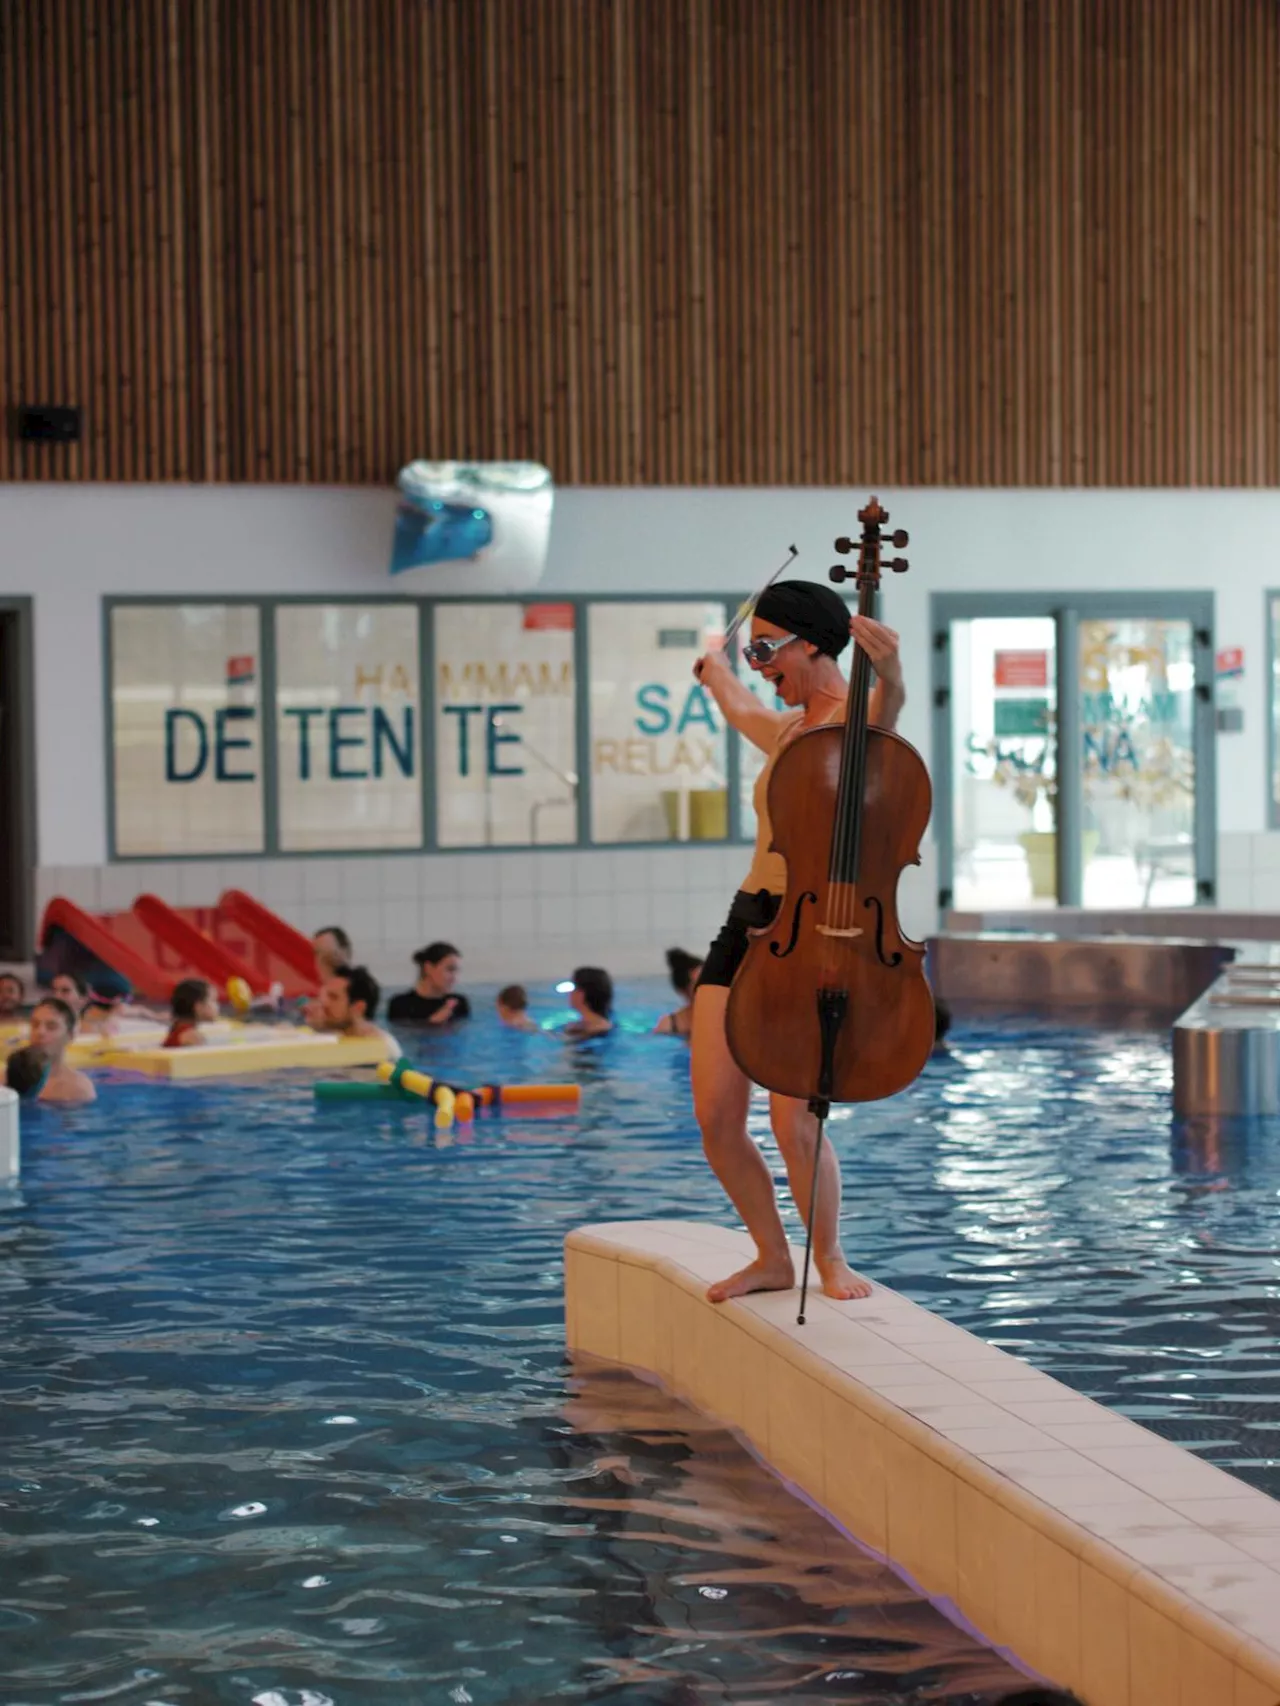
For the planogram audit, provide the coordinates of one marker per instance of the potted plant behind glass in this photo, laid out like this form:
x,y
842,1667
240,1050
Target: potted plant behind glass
x,y
1027,770
1034,785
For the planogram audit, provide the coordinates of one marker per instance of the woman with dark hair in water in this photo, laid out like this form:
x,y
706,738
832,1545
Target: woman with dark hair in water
x,y
685,970
592,1001
53,1025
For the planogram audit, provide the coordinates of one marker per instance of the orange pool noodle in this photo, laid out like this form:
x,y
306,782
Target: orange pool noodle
x,y
507,1095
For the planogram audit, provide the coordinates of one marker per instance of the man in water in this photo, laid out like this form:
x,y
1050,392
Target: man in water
x,y
348,1004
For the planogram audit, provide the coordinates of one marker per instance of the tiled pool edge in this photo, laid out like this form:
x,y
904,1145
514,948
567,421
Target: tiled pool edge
x,y
1106,1558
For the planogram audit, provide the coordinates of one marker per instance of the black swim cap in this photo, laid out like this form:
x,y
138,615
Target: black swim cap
x,y
808,610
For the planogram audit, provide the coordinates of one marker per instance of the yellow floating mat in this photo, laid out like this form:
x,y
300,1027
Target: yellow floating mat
x,y
92,1049
271,1051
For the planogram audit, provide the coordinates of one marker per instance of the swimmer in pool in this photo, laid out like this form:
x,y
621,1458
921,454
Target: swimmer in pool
x,y
193,1004
685,970
513,1008
25,1071
332,948
100,1015
348,1005
53,1025
70,987
592,1001
432,1000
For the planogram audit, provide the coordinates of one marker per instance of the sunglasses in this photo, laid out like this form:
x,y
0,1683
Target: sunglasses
x,y
760,652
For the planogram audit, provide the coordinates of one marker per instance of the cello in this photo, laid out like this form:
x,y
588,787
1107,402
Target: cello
x,y
831,1003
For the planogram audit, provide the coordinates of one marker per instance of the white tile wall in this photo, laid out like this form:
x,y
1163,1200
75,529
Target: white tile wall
x,y
525,914
1249,873
518,915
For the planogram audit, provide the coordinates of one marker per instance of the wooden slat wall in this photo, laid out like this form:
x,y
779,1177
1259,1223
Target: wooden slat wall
x,y
800,242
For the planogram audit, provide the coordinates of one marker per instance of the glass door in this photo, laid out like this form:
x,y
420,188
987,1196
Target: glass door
x,y
1073,750
1137,697
1004,762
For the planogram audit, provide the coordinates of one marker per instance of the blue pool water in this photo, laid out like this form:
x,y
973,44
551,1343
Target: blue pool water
x,y
287,1418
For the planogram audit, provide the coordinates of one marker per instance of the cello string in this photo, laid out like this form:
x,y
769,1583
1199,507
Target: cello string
x,y
844,801
853,771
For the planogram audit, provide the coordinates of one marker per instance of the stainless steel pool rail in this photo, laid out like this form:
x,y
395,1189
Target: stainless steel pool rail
x,y
1226,1046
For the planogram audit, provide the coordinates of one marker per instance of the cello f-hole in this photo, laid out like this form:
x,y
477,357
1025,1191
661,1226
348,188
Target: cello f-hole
x,y
894,959
781,953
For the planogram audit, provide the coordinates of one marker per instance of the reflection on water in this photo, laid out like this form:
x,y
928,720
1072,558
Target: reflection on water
x,y
724,1585
284,1393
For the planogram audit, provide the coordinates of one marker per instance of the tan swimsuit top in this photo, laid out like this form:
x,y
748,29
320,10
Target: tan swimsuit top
x,y
769,869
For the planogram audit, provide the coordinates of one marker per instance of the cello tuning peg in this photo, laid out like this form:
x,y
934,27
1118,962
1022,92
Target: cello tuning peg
x,y
899,565
900,538
845,545
837,572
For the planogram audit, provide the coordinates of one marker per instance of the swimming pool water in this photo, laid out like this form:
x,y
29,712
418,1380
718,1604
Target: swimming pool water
x,y
286,1415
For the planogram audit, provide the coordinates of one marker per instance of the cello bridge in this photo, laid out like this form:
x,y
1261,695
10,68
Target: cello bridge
x,y
831,930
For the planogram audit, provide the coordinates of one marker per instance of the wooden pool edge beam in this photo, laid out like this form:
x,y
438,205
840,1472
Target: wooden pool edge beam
x,y
1108,1560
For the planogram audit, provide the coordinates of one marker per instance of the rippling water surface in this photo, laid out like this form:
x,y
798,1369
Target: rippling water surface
x,y
286,1418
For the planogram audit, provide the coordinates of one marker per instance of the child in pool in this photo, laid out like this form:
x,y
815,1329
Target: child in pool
x,y
193,1005
26,1070
100,1015
513,1008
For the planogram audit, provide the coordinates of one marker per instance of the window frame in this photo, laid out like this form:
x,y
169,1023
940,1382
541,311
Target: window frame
x,y
1270,604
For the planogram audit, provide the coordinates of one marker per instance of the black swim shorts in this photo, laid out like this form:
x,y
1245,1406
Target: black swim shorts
x,y
727,952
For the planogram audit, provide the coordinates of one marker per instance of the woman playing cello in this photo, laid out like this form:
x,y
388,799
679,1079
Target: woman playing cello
x,y
798,630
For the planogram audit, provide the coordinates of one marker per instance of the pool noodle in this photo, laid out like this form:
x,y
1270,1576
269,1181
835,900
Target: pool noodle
x,y
398,1079
355,1090
500,1095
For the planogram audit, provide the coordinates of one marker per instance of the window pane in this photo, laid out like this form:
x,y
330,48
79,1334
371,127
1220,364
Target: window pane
x,y
1137,693
187,754
657,738
506,773
1004,761
348,727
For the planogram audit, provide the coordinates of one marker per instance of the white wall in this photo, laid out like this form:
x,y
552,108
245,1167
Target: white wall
x,y
71,545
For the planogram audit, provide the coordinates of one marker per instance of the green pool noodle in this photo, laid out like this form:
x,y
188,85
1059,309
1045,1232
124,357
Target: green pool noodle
x,y
356,1090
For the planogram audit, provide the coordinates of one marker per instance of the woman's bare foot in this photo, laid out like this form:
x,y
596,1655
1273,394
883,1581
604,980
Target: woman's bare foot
x,y
776,1275
840,1281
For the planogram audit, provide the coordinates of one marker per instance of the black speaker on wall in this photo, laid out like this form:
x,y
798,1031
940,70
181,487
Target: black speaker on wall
x,y
47,423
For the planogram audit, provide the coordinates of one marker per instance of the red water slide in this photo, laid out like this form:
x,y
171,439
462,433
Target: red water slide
x,y
153,945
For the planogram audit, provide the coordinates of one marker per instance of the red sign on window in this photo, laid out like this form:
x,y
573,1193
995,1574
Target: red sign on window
x,y
1022,669
1229,662
544,616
